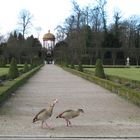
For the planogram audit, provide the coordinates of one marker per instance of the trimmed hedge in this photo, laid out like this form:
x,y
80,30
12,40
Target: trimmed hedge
x,y
10,86
80,67
13,70
26,67
99,70
127,93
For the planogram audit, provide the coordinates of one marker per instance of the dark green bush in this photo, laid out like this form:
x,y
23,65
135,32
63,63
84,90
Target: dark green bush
x,y
2,62
99,71
72,66
80,67
26,67
10,86
13,70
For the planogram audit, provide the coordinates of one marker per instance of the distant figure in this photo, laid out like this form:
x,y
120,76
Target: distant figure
x,y
127,61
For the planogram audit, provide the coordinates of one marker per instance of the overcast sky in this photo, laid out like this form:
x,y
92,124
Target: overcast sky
x,y
50,13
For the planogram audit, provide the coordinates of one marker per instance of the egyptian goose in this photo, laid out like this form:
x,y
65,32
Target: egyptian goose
x,y
70,114
44,114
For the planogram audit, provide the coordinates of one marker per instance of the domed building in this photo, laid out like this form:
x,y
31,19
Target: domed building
x,y
48,40
48,44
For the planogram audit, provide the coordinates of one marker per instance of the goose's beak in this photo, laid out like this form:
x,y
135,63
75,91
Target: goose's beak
x,y
55,101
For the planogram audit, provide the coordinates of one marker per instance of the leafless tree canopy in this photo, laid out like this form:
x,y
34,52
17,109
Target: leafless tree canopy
x,y
89,35
25,21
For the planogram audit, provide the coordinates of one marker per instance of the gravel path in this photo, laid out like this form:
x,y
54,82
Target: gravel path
x,y
106,115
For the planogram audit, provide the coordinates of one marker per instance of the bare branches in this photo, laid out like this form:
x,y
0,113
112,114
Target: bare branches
x,y
25,18
101,5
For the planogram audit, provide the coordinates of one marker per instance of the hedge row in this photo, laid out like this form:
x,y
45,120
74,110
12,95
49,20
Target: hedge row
x,y
123,80
117,88
118,79
10,86
108,66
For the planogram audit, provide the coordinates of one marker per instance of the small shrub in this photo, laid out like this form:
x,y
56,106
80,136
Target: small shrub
x,y
26,68
72,66
2,62
99,71
35,62
13,70
80,67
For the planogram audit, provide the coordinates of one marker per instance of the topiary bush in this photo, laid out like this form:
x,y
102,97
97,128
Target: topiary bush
x,y
72,66
80,67
26,67
13,70
99,71
2,62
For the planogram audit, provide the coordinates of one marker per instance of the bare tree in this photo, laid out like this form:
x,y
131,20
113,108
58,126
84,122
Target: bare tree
x,y
69,24
117,17
25,19
85,15
101,5
61,33
77,14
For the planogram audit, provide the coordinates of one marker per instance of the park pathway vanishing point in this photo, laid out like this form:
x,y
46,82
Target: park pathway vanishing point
x,y
106,114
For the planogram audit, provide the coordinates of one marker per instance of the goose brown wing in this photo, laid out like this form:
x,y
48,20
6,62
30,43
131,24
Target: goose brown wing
x,y
66,111
41,111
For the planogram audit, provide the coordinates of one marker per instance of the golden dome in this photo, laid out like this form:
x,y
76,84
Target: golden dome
x,y
48,36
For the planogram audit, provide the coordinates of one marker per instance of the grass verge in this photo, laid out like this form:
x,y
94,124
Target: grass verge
x,y
10,86
119,89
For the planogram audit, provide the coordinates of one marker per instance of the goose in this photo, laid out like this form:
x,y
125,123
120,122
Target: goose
x,y
44,114
70,114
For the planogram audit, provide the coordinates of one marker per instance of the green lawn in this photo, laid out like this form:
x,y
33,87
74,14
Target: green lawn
x,y
130,73
3,71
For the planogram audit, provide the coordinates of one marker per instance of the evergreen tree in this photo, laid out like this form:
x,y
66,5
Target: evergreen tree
x,y
13,70
2,62
80,67
26,67
99,71
72,66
